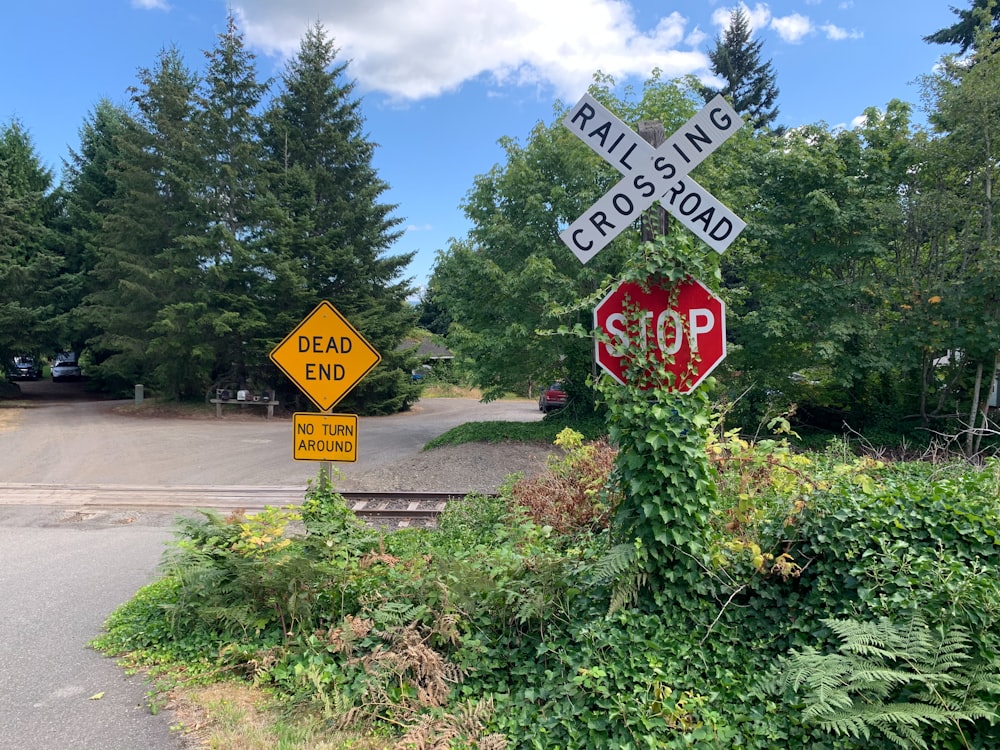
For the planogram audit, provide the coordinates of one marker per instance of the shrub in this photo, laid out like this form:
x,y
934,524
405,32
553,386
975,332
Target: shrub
x,y
572,494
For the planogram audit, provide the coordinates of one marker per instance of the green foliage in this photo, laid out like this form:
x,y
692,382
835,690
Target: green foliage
x,y
544,431
894,678
28,261
202,224
580,641
748,83
519,303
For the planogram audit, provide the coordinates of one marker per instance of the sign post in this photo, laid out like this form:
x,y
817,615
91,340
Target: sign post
x,y
325,357
689,339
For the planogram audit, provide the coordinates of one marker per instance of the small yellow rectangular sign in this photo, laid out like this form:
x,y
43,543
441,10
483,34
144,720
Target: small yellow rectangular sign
x,y
325,437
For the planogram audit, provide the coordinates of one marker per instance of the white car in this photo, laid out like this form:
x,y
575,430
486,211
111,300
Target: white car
x,y
65,368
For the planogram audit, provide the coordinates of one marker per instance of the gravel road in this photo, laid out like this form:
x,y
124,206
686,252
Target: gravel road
x,y
77,441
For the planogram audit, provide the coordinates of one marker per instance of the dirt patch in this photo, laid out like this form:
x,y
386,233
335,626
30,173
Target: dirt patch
x,y
11,414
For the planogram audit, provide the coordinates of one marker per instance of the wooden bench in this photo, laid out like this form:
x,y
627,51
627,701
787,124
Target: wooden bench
x,y
267,400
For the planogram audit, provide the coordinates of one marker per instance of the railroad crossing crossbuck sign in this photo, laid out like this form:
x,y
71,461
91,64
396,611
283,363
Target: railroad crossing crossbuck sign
x,y
652,174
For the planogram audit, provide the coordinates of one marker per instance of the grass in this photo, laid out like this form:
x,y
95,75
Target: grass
x,y
232,716
543,431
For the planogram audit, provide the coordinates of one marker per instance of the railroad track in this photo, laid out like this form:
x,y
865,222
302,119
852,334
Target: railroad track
x,y
381,508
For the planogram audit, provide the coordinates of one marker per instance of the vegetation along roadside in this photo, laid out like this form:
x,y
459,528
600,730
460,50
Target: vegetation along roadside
x,y
822,600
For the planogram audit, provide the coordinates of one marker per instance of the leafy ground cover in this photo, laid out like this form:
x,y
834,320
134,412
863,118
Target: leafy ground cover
x,y
778,599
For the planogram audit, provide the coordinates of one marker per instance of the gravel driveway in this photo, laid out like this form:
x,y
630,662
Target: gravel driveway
x,y
79,441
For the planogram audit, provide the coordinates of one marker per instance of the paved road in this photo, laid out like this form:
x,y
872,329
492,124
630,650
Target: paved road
x,y
63,570
87,442
59,583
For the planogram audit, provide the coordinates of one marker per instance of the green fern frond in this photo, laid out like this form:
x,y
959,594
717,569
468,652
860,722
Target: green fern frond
x,y
618,560
895,679
622,567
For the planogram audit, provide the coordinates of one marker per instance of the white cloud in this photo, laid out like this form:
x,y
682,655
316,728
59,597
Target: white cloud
x,y
792,28
838,34
151,4
411,50
419,228
759,16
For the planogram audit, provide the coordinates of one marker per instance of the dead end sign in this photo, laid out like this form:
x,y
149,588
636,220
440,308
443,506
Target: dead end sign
x,y
325,356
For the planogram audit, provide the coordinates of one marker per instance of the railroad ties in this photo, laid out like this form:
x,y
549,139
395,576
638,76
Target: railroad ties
x,y
382,509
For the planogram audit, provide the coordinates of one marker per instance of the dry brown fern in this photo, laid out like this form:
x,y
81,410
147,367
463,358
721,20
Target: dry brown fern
x,y
466,723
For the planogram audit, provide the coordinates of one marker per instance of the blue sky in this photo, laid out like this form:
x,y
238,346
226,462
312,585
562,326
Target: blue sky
x,y
443,80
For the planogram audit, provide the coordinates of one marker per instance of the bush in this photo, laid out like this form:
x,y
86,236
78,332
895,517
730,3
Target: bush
x,y
506,621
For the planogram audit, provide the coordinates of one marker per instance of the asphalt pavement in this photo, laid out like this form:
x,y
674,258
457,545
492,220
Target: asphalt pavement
x,y
60,580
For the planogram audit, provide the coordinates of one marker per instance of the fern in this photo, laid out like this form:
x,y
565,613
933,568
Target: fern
x,y
896,679
622,567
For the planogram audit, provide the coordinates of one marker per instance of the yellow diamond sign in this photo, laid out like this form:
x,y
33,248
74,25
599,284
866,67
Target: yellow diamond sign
x,y
325,356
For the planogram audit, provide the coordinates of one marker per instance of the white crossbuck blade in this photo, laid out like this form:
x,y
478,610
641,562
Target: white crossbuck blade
x,y
651,175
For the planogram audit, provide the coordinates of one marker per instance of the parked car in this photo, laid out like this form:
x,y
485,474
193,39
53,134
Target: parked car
x,y
24,368
553,397
65,367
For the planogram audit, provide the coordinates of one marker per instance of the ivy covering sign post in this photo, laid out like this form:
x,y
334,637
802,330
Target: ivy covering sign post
x,y
658,338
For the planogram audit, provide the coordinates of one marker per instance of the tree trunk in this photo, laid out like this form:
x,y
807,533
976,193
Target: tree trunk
x,y
970,441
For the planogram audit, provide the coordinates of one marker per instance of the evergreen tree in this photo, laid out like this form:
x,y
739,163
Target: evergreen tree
x,y
748,83
147,301
84,195
963,32
229,123
328,232
27,263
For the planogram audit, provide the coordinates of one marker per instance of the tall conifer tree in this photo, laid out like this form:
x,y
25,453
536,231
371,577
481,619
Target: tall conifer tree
x,y
228,116
748,83
150,272
86,193
27,263
329,231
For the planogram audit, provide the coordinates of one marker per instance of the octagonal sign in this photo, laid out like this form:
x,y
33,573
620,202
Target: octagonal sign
x,y
682,327
325,356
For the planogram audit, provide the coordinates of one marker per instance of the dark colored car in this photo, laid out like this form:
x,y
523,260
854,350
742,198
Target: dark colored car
x,y
24,368
65,367
553,397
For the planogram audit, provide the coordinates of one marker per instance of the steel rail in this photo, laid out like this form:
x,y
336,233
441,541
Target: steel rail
x,y
395,504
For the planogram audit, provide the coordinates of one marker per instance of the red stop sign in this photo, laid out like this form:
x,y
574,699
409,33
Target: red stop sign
x,y
688,337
